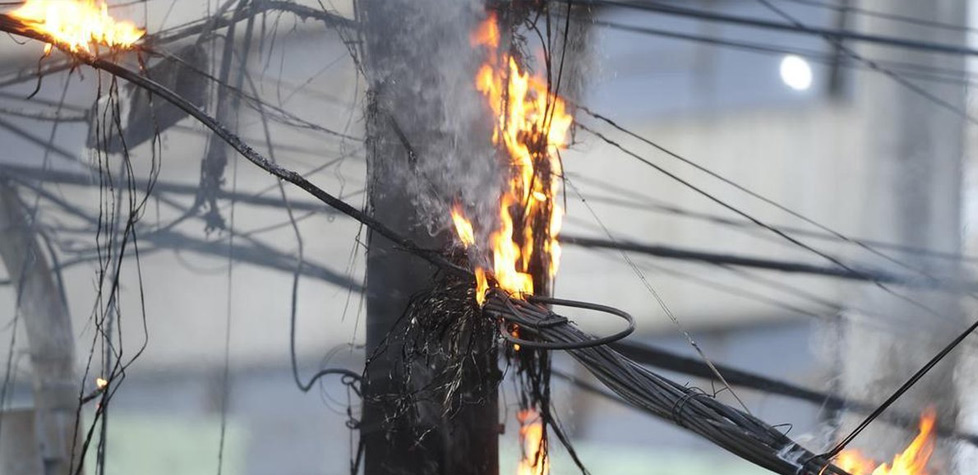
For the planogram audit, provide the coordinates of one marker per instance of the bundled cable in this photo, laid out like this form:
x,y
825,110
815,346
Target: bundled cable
x,y
732,429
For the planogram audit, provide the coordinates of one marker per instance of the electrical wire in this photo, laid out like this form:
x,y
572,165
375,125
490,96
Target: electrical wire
x,y
836,34
845,8
736,431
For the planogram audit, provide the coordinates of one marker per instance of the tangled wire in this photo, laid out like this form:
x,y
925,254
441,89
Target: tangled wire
x,y
734,430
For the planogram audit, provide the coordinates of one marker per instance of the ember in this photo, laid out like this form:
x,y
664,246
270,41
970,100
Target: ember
x,y
78,25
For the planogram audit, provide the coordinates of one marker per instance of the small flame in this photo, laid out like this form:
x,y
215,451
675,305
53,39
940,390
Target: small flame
x,y
78,25
101,383
535,460
531,125
463,227
481,285
912,461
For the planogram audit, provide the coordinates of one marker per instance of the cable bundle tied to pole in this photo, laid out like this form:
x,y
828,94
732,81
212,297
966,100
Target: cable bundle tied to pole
x,y
732,429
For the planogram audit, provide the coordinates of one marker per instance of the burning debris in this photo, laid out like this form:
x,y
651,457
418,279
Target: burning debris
x,y
78,25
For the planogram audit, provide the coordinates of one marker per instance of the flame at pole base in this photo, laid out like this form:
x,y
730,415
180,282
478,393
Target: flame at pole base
x,y
78,25
912,461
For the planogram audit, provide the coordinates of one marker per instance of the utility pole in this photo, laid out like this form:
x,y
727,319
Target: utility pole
x,y
50,339
415,59
913,168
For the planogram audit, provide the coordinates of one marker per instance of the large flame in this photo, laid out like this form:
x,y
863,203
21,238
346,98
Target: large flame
x,y
534,459
78,25
531,125
912,461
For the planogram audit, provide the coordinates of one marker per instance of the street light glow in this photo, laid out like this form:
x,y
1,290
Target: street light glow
x,y
796,73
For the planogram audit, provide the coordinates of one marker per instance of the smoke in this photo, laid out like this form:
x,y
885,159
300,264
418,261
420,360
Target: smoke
x,y
424,89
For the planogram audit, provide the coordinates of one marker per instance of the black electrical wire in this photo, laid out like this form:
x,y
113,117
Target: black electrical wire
x,y
650,204
734,430
512,311
14,26
960,338
883,15
836,34
902,390
876,66
835,260
663,359
912,70
847,272
777,231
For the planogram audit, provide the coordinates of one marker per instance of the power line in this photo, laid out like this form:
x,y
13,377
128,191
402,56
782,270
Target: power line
x,y
916,71
256,254
653,356
731,429
845,271
785,27
878,67
699,190
13,26
650,204
933,362
23,173
884,15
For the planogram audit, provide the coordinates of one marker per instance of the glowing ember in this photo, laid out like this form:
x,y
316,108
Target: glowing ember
x,y
531,125
78,25
535,460
912,461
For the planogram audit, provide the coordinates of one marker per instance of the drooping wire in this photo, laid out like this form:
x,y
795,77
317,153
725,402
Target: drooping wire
x,y
914,379
846,8
658,298
756,221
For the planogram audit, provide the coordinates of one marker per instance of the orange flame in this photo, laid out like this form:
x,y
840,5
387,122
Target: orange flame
x,y
463,227
912,461
531,125
534,459
78,25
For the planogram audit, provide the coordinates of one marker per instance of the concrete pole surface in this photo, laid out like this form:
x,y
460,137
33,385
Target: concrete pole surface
x,y
422,113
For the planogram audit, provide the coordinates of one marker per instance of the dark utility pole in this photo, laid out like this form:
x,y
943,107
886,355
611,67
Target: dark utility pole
x,y
414,58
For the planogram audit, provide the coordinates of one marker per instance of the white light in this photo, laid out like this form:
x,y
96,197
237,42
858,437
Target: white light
x,y
796,73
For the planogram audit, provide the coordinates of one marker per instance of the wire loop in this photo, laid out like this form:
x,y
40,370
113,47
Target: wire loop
x,y
530,315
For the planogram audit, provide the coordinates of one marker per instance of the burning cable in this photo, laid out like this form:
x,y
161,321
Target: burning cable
x,y
78,25
734,430
530,125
